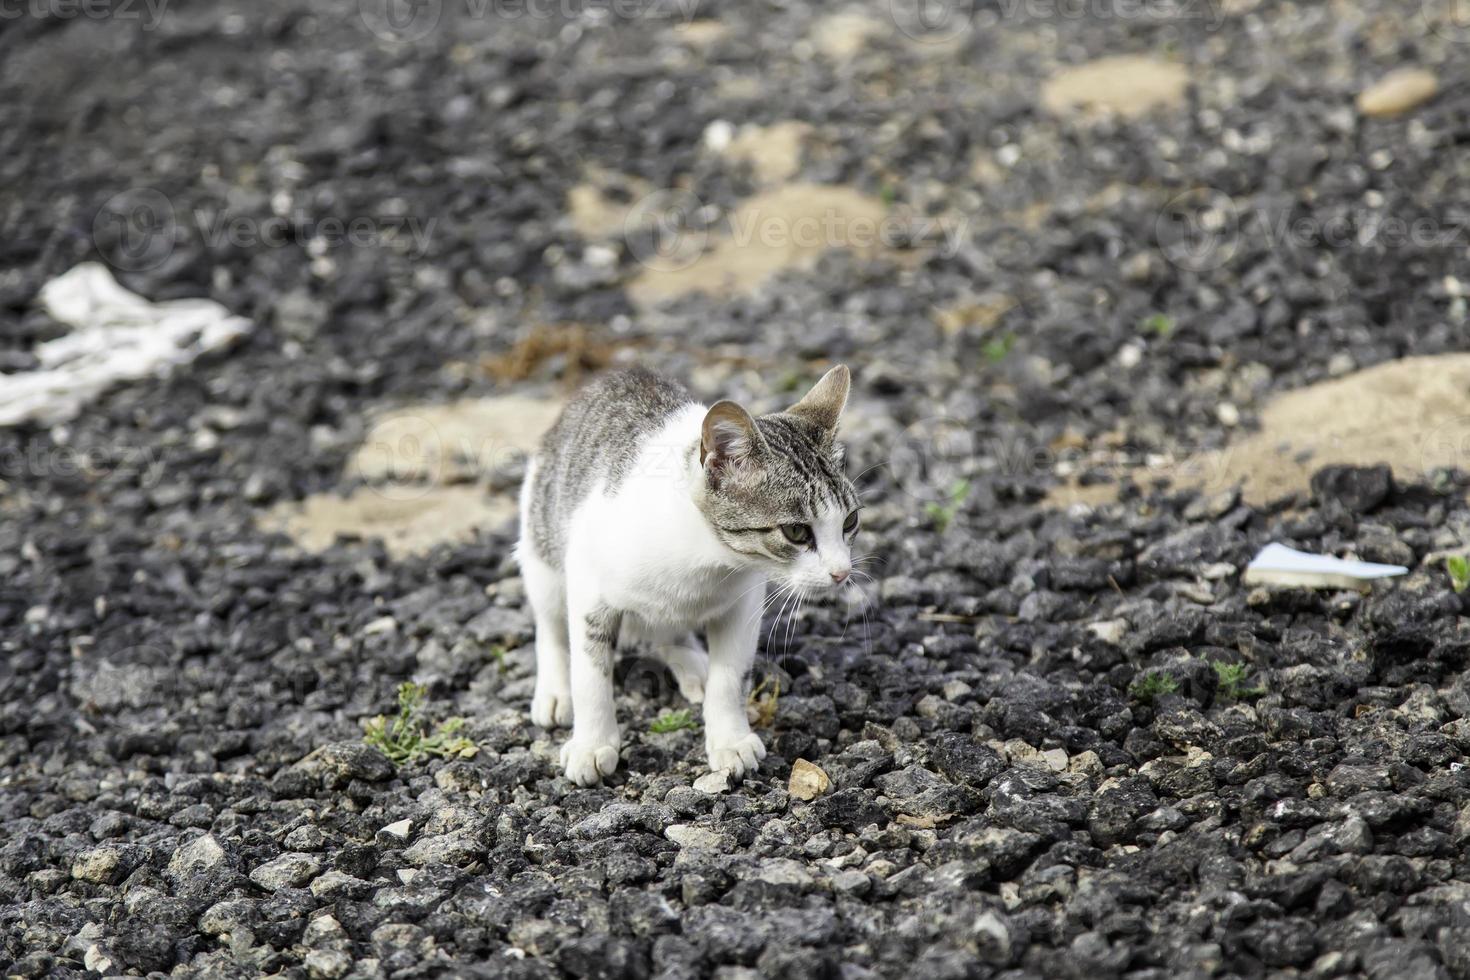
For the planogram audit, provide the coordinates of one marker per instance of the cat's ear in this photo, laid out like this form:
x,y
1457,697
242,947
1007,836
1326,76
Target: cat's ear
x,y
729,438
822,406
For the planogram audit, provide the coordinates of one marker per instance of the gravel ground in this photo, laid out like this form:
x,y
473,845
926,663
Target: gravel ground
x,y
1036,767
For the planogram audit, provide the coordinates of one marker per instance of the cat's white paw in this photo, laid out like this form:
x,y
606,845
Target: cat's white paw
x,y
740,756
551,709
586,763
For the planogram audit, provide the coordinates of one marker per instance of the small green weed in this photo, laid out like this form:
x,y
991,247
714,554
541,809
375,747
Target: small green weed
x,y
1232,682
1459,568
942,514
498,654
996,349
1159,324
673,721
1151,686
407,739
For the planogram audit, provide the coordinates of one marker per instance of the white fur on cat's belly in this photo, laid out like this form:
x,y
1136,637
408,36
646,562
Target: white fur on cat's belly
x,y
648,552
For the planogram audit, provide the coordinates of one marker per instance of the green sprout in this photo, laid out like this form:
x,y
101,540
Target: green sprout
x,y
1232,681
996,349
1152,686
1459,568
406,739
673,721
942,514
498,654
1159,324
888,194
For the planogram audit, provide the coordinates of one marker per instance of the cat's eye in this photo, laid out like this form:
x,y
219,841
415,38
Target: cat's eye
x,y
797,533
850,525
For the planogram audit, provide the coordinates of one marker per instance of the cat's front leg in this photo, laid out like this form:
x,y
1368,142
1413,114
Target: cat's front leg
x,y
728,740
592,751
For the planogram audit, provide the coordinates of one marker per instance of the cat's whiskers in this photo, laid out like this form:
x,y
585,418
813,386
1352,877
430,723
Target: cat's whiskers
x,y
791,619
791,594
864,601
778,592
878,465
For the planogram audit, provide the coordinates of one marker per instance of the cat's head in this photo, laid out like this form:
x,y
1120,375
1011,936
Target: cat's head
x,y
774,489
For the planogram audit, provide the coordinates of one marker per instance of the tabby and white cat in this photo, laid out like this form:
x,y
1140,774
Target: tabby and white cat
x,y
645,515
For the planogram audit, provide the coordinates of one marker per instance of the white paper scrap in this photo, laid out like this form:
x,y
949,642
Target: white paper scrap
x,y
117,336
1276,564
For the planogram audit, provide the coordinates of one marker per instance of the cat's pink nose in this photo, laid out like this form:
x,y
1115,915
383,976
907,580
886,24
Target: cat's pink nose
x,y
839,577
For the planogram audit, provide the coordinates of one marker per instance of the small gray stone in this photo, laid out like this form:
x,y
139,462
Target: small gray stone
x,y
397,832
504,625
340,762
100,865
298,314
325,932
305,838
232,916
335,884
327,964
456,849
97,960
713,782
290,870
696,838
784,871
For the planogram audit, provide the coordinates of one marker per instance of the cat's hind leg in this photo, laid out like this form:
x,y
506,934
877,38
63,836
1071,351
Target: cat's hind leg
x,y
551,704
677,649
685,657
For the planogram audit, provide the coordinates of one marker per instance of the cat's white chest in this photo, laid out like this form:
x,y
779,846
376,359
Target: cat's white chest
x,y
647,550
686,597
656,562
